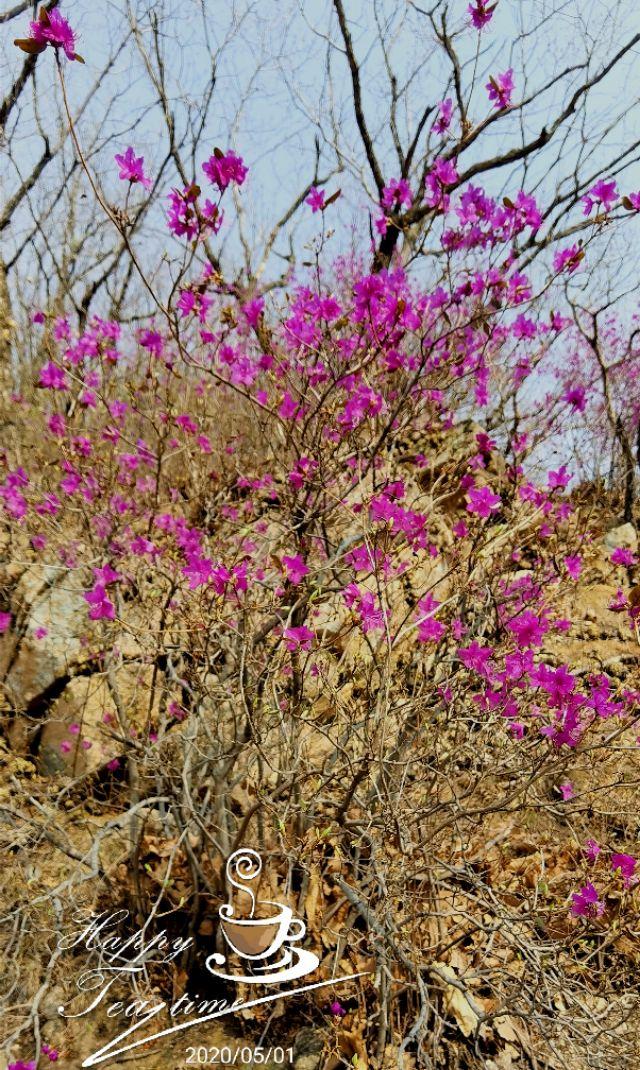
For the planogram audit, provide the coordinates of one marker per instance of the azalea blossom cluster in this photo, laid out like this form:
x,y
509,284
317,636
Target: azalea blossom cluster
x,y
586,903
51,1053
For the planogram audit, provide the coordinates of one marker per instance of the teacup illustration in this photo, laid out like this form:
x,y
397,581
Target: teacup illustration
x,y
269,925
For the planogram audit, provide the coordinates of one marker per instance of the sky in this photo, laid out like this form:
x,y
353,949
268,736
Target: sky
x,y
282,81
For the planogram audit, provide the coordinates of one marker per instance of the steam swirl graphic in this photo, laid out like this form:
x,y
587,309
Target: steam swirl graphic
x,y
242,866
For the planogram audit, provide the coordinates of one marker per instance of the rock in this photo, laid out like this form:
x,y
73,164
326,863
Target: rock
x,y
51,602
84,702
623,536
307,1048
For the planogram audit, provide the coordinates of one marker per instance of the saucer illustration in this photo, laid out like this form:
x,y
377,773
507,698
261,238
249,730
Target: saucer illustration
x,y
266,936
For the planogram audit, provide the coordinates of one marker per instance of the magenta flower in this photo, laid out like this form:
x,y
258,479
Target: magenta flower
x,y
5,622
102,608
223,169
296,568
528,629
113,765
298,638
482,501
626,864
443,175
315,199
430,630
475,657
500,89
620,556
568,259
567,791
52,377
559,479
396,193
337,1010
186,217
586,903
604,194
632,201
106,575
252,311
481,13
132,168
65,746
575,396
445,114
573,565
50,29
592,850
212,216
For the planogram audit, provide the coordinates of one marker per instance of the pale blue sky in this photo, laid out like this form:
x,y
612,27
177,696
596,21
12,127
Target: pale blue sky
x,y
273,87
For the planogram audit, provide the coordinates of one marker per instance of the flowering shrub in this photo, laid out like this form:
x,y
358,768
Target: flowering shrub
x,y
309,520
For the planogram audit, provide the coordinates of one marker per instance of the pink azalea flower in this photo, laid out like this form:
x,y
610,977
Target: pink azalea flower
x,y
573,565
337,1010
481,13
567,791
476,657
559,479
621,556
634,201
52,377
430,630
568,259
296,568
576,396
528,628
500,89
592,850
445,113
252,311
586,903
315,199
604,194
106,575
102,608
65,746
396,193
223,169
626,864
50,29
482,501
443,174
131,168
289,409
113,765
183,216
298,638
5,622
